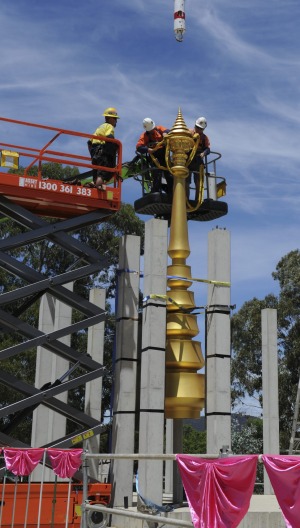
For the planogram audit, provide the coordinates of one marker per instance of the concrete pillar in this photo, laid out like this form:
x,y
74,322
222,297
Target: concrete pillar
x,y
48,425
270,387
174,444
168,488
124,413
151,436
178,448
93,389
218,394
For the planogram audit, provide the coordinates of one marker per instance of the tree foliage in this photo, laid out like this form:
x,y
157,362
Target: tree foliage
x,y
193,441
246,343
248,439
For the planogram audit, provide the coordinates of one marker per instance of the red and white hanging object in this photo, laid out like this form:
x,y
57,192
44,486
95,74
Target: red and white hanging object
x,y
179,19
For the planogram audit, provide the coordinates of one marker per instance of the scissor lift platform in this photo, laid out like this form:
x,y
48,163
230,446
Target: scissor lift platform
x,y
53,197
204,207
160,206
56,198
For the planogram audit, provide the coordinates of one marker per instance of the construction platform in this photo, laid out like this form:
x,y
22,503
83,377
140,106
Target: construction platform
x,y
23,178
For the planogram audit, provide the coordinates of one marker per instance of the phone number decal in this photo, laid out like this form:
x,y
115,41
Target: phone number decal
x,y
64,188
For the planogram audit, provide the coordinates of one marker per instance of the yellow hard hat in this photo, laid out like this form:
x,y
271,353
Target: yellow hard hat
x,y
111,112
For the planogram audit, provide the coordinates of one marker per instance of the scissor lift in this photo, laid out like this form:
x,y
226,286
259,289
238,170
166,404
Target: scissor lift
x,y
28,200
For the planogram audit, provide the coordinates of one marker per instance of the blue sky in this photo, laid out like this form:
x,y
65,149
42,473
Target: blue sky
x,y
63,62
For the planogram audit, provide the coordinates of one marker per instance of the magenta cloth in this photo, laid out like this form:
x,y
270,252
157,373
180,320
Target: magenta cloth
x,y
218,491
284,474
22,461
65,462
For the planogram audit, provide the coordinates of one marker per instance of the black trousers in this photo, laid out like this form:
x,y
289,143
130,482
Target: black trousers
x,y
157,174
104,155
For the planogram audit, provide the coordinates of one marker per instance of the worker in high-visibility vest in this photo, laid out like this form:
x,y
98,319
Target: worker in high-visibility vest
x,y
104,152
147,144
203,150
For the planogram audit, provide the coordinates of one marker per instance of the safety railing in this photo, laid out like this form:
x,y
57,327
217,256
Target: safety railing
x,y
28,501
38,156
161,519
69,504
213,185
217,490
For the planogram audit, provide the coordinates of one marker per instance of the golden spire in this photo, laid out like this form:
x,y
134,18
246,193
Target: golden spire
x,y
185,388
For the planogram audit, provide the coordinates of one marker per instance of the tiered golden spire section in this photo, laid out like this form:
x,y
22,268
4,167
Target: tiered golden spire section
x,y
185,389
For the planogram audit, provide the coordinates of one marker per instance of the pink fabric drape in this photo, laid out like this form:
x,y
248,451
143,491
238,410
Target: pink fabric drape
x,y
22,461
284,474
65,462
218,491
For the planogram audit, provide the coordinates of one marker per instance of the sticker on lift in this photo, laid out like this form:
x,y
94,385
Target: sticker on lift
x,y
49,185
28,182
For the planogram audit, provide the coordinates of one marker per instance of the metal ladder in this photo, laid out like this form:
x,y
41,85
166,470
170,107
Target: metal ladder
x,y
294,448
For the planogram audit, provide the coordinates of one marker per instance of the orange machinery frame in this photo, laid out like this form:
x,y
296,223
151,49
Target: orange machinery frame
x,y
56,198
53,505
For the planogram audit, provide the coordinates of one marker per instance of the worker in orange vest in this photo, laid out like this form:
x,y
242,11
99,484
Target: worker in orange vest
x,y
147,144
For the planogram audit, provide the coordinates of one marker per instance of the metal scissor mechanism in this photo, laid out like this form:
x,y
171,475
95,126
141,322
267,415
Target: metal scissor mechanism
x,y
86,261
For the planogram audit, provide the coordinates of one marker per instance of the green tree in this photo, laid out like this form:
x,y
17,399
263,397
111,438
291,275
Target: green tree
x,y
246,343
193,441
50,260
248,439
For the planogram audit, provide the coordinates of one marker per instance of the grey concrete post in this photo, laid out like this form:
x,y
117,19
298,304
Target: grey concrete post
x,y
93,389
178,448
151,436
270,387
124,413
48,425
218,394
174,444
168,488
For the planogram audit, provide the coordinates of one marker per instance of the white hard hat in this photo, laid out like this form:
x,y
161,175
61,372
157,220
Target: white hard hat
x,y
201,123
148,124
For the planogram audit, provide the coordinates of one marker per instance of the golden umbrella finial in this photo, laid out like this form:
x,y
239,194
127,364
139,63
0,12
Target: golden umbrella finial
x,y
179,126
180,147
184,387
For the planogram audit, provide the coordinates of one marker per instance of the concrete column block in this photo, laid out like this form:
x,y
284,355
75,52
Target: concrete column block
x,y
270,387
48,425
151,433
125,374
93,389
218,386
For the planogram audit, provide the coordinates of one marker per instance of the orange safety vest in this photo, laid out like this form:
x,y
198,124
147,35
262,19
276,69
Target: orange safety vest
x,y
149,139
